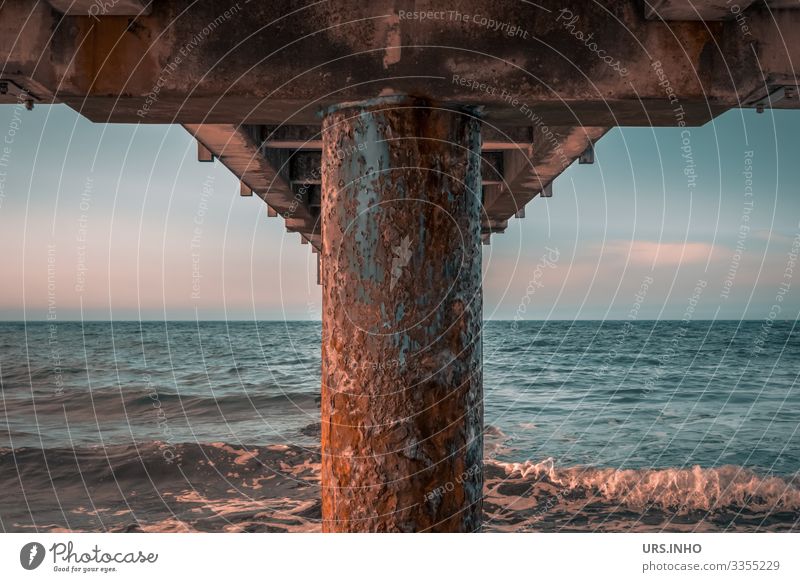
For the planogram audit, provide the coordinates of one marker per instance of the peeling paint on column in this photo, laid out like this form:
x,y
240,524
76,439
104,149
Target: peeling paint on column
x,y
402,401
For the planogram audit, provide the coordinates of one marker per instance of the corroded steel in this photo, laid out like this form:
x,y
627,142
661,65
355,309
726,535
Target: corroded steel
x,y
402,409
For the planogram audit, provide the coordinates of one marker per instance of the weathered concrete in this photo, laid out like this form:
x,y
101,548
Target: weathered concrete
x,y
708,10
282,61
551,77
528,174
402,408
98,8
239,148
282,166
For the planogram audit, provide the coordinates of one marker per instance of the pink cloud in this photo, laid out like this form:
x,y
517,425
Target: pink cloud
x,y
644,252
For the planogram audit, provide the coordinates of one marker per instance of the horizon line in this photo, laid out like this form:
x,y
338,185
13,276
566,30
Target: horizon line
x,y
320,321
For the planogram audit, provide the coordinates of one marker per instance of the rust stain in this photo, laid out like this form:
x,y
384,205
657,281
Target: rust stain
x,y
402,400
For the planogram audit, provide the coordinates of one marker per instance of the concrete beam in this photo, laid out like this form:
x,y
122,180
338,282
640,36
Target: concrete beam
x,y
203,154
491,226
304,167
238,148
554,149
308,137
707,10
305,177
286,60
98,8
510,177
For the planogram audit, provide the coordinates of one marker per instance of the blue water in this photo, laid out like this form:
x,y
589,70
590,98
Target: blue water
x,y
613,394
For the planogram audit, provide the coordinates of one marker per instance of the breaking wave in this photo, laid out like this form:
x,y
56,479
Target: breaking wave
x,y
675,489
158,486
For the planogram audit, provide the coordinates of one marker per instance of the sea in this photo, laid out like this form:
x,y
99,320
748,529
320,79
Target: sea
x,y
214,426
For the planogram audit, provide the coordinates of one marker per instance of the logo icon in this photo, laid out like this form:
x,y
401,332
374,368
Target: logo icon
x,y
31,555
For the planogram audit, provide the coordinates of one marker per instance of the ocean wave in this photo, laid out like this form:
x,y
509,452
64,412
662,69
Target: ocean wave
x,y
162,486
679,490
110,401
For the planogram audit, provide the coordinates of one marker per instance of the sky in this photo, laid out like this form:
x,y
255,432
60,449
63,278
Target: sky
x,y
106,222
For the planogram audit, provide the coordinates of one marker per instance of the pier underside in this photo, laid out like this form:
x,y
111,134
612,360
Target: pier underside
x,y
395,138
251,80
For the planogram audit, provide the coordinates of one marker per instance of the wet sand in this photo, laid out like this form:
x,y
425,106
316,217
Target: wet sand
x,y
220,487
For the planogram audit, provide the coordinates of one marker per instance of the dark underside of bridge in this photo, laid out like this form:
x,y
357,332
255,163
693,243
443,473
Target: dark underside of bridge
x,y
395,138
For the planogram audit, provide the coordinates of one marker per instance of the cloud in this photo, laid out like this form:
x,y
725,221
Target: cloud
x,y
772,236
645,252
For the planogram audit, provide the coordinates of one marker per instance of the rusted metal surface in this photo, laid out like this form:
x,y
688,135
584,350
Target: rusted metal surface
x,y
402,410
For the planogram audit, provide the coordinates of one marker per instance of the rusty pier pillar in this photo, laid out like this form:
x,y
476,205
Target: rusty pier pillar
x,y
402,394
